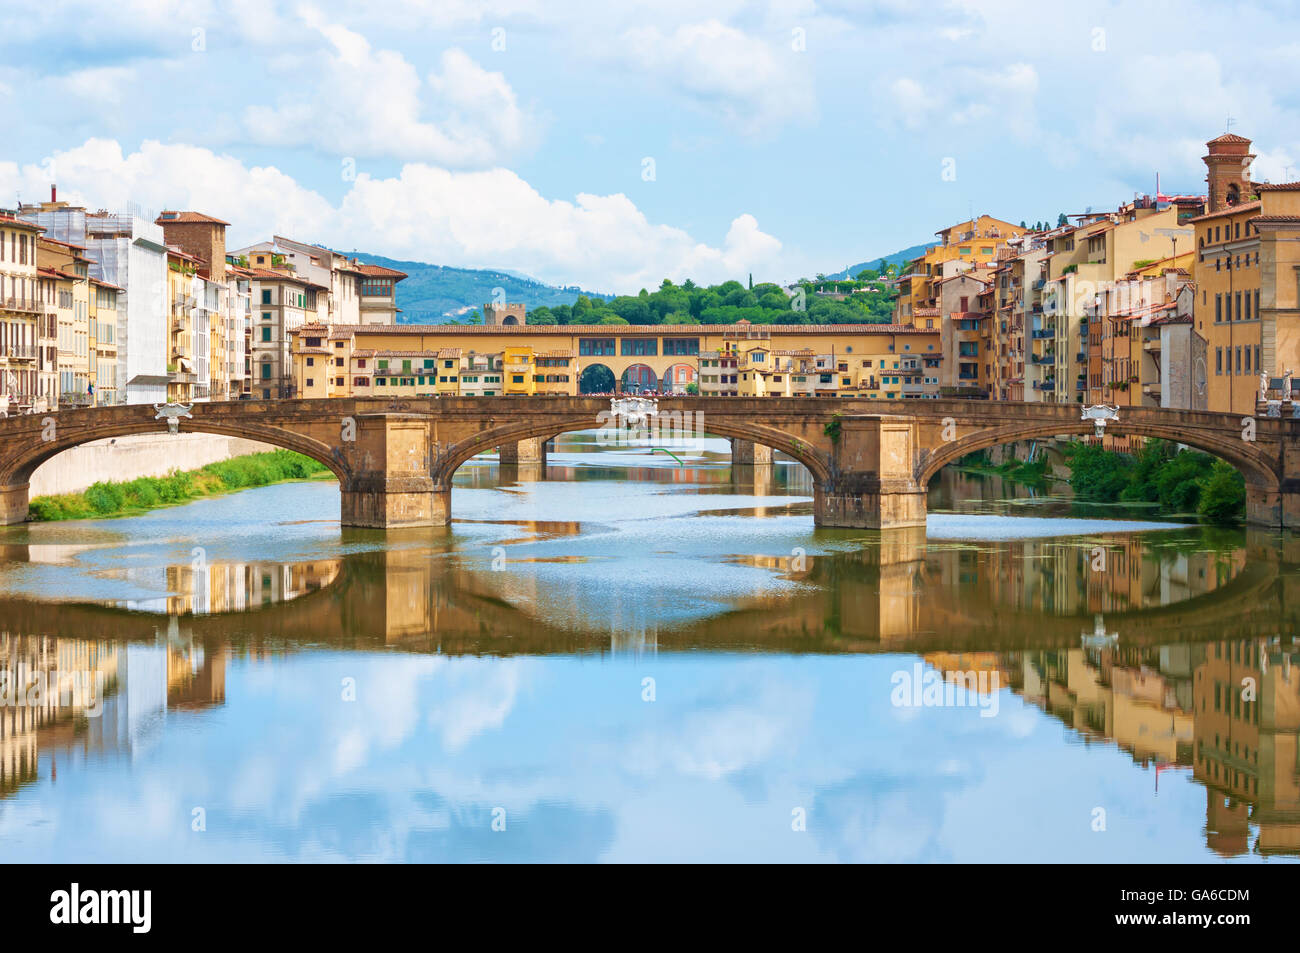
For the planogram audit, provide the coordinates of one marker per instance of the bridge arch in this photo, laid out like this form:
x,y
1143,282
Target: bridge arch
x,y
1253,463
676,378
597,378
450,460
639,378
18,468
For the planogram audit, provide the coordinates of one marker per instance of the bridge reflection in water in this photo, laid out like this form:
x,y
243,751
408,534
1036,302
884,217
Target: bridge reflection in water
x,y
1149,656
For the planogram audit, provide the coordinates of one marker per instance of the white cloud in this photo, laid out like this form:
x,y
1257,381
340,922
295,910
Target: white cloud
x,y
355,100
748,83
472,219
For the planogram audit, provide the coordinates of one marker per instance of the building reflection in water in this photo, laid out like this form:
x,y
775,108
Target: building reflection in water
x,y
1179,653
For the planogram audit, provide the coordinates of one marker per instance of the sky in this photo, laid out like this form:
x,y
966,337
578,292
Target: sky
x,y
613,144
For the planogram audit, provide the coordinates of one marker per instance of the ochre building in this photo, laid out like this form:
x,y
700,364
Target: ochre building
x,y
885,361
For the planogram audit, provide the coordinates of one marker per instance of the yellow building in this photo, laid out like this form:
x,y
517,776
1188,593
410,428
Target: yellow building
x,y
1247,254
961,246
873,360
22,313
103,342
67,273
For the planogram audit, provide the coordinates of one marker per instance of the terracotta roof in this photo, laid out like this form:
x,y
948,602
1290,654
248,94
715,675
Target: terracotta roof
x,y
55,241
447,352
1276,219
168,217
1279,187
379,271
562,353
1228,137
181,253
11,220
1230,210
106,284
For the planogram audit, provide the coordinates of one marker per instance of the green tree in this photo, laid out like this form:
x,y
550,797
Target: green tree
x,y
1223,494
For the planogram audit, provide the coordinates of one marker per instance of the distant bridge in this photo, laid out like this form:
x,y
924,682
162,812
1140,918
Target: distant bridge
x,y
871,460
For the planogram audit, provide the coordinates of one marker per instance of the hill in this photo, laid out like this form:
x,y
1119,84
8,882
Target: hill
x,y
897,258
436,294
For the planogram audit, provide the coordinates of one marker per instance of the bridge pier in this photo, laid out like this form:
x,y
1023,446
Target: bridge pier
x,y
1279,509
871,485
746,453
864,501
391,503
532,451
13,503
390,485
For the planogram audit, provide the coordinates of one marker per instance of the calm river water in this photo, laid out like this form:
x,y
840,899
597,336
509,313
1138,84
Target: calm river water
x,y
636,660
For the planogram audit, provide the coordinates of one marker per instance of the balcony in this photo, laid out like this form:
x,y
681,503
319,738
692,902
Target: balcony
x,y
1045,385
19,304
20,352
1151,389
1081,357
1151,346
1048,358
1042,334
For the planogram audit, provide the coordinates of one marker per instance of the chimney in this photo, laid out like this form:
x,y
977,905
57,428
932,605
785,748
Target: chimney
x,y
54,194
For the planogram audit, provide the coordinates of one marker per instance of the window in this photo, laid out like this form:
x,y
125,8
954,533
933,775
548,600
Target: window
x,y
681,346
266,297
380,381
1218,360
1218,308
266,334
338,382
266,315
360,382
361,362
311,382
311,362
447,364
266,372
518,378
597,347
639,347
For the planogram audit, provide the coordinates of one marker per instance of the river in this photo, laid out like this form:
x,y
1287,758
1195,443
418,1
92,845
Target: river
x,y
637,659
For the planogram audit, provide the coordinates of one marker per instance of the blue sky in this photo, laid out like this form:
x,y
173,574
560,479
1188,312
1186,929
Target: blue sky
x,y
614,144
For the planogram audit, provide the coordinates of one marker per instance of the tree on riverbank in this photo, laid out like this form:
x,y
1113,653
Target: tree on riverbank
x,y
1180,480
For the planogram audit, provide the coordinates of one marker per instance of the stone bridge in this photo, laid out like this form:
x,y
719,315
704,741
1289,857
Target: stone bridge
x,y
870,460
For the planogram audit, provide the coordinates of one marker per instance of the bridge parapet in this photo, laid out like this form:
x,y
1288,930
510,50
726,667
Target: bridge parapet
x,y
871,461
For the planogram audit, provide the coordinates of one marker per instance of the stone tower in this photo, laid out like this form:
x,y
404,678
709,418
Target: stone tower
x,y
501,314
1228,178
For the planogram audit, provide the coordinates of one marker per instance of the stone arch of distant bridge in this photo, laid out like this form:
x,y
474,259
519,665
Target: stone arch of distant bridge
x,y
717,425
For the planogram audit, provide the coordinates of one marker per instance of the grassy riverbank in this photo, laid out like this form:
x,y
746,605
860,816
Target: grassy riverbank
x,y
1031,473
130,497
1178,481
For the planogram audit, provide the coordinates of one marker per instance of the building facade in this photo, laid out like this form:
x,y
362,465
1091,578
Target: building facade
x,y
883,361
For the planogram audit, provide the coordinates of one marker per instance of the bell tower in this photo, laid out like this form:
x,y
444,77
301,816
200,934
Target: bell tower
x,y
1228,178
